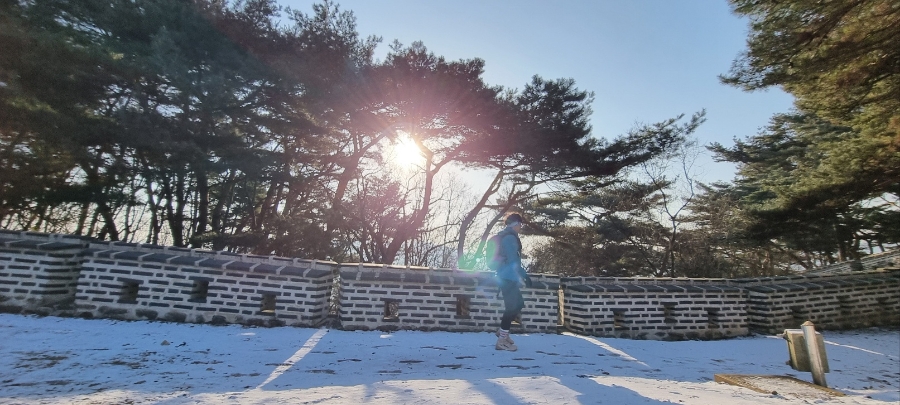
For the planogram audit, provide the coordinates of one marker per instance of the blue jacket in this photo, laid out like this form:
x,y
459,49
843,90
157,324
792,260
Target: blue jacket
x,y
511,248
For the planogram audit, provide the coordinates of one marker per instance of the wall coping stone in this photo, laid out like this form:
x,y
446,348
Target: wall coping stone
x,y
158,258
221,256
92,247
644,281
266,268
39,245
842,277
129,255
272,265
235,265
45,236
786,282
844,267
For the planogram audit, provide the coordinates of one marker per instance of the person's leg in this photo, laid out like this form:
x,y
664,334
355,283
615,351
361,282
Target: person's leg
x,y
511,307
521,301
512,303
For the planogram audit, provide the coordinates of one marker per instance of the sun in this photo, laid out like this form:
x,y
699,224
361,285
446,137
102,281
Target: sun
x,y
404,152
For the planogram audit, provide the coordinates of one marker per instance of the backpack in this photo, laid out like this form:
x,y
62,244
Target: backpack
x,y
493,254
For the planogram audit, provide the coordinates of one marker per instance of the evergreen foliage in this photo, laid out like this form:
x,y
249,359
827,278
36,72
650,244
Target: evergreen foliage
x,y
220,125
820,183
248,127
841,60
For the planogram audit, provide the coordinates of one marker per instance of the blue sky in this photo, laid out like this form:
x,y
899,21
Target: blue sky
x,y
645,60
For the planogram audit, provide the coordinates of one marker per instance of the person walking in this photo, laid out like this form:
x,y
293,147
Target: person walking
x,y
511,276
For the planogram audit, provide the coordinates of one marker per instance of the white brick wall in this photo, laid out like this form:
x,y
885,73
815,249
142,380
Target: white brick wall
x,y
838,301
201,286
390,298
889,259
660,311
37,270
69,276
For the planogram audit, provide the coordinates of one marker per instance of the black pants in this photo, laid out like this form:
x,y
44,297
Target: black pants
x,y
512,302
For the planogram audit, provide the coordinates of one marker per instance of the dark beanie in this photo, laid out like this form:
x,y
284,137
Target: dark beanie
x,y
513,218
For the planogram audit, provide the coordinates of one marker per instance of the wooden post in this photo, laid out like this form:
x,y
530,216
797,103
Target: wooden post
x,y
815,358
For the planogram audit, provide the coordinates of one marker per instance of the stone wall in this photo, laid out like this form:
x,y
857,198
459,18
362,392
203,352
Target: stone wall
x,y
72,276
889,259
38,272
390,298
667,309
840,301
127,281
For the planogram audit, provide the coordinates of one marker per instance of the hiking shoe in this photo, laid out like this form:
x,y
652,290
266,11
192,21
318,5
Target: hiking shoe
x,y
505,344
507,338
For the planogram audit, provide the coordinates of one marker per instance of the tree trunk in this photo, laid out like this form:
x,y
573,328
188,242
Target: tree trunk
x,y
408,229
175,215
108,220
470,217
202,206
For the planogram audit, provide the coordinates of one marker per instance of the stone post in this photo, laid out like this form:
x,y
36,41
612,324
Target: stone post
x,y
815,358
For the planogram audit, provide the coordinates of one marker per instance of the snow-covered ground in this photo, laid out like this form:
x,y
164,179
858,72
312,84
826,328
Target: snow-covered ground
x,y
74,361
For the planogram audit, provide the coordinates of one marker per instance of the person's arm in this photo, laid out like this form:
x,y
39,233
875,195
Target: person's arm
x,y
510,247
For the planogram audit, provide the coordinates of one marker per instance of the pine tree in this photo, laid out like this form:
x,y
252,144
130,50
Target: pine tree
x,y
841,60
